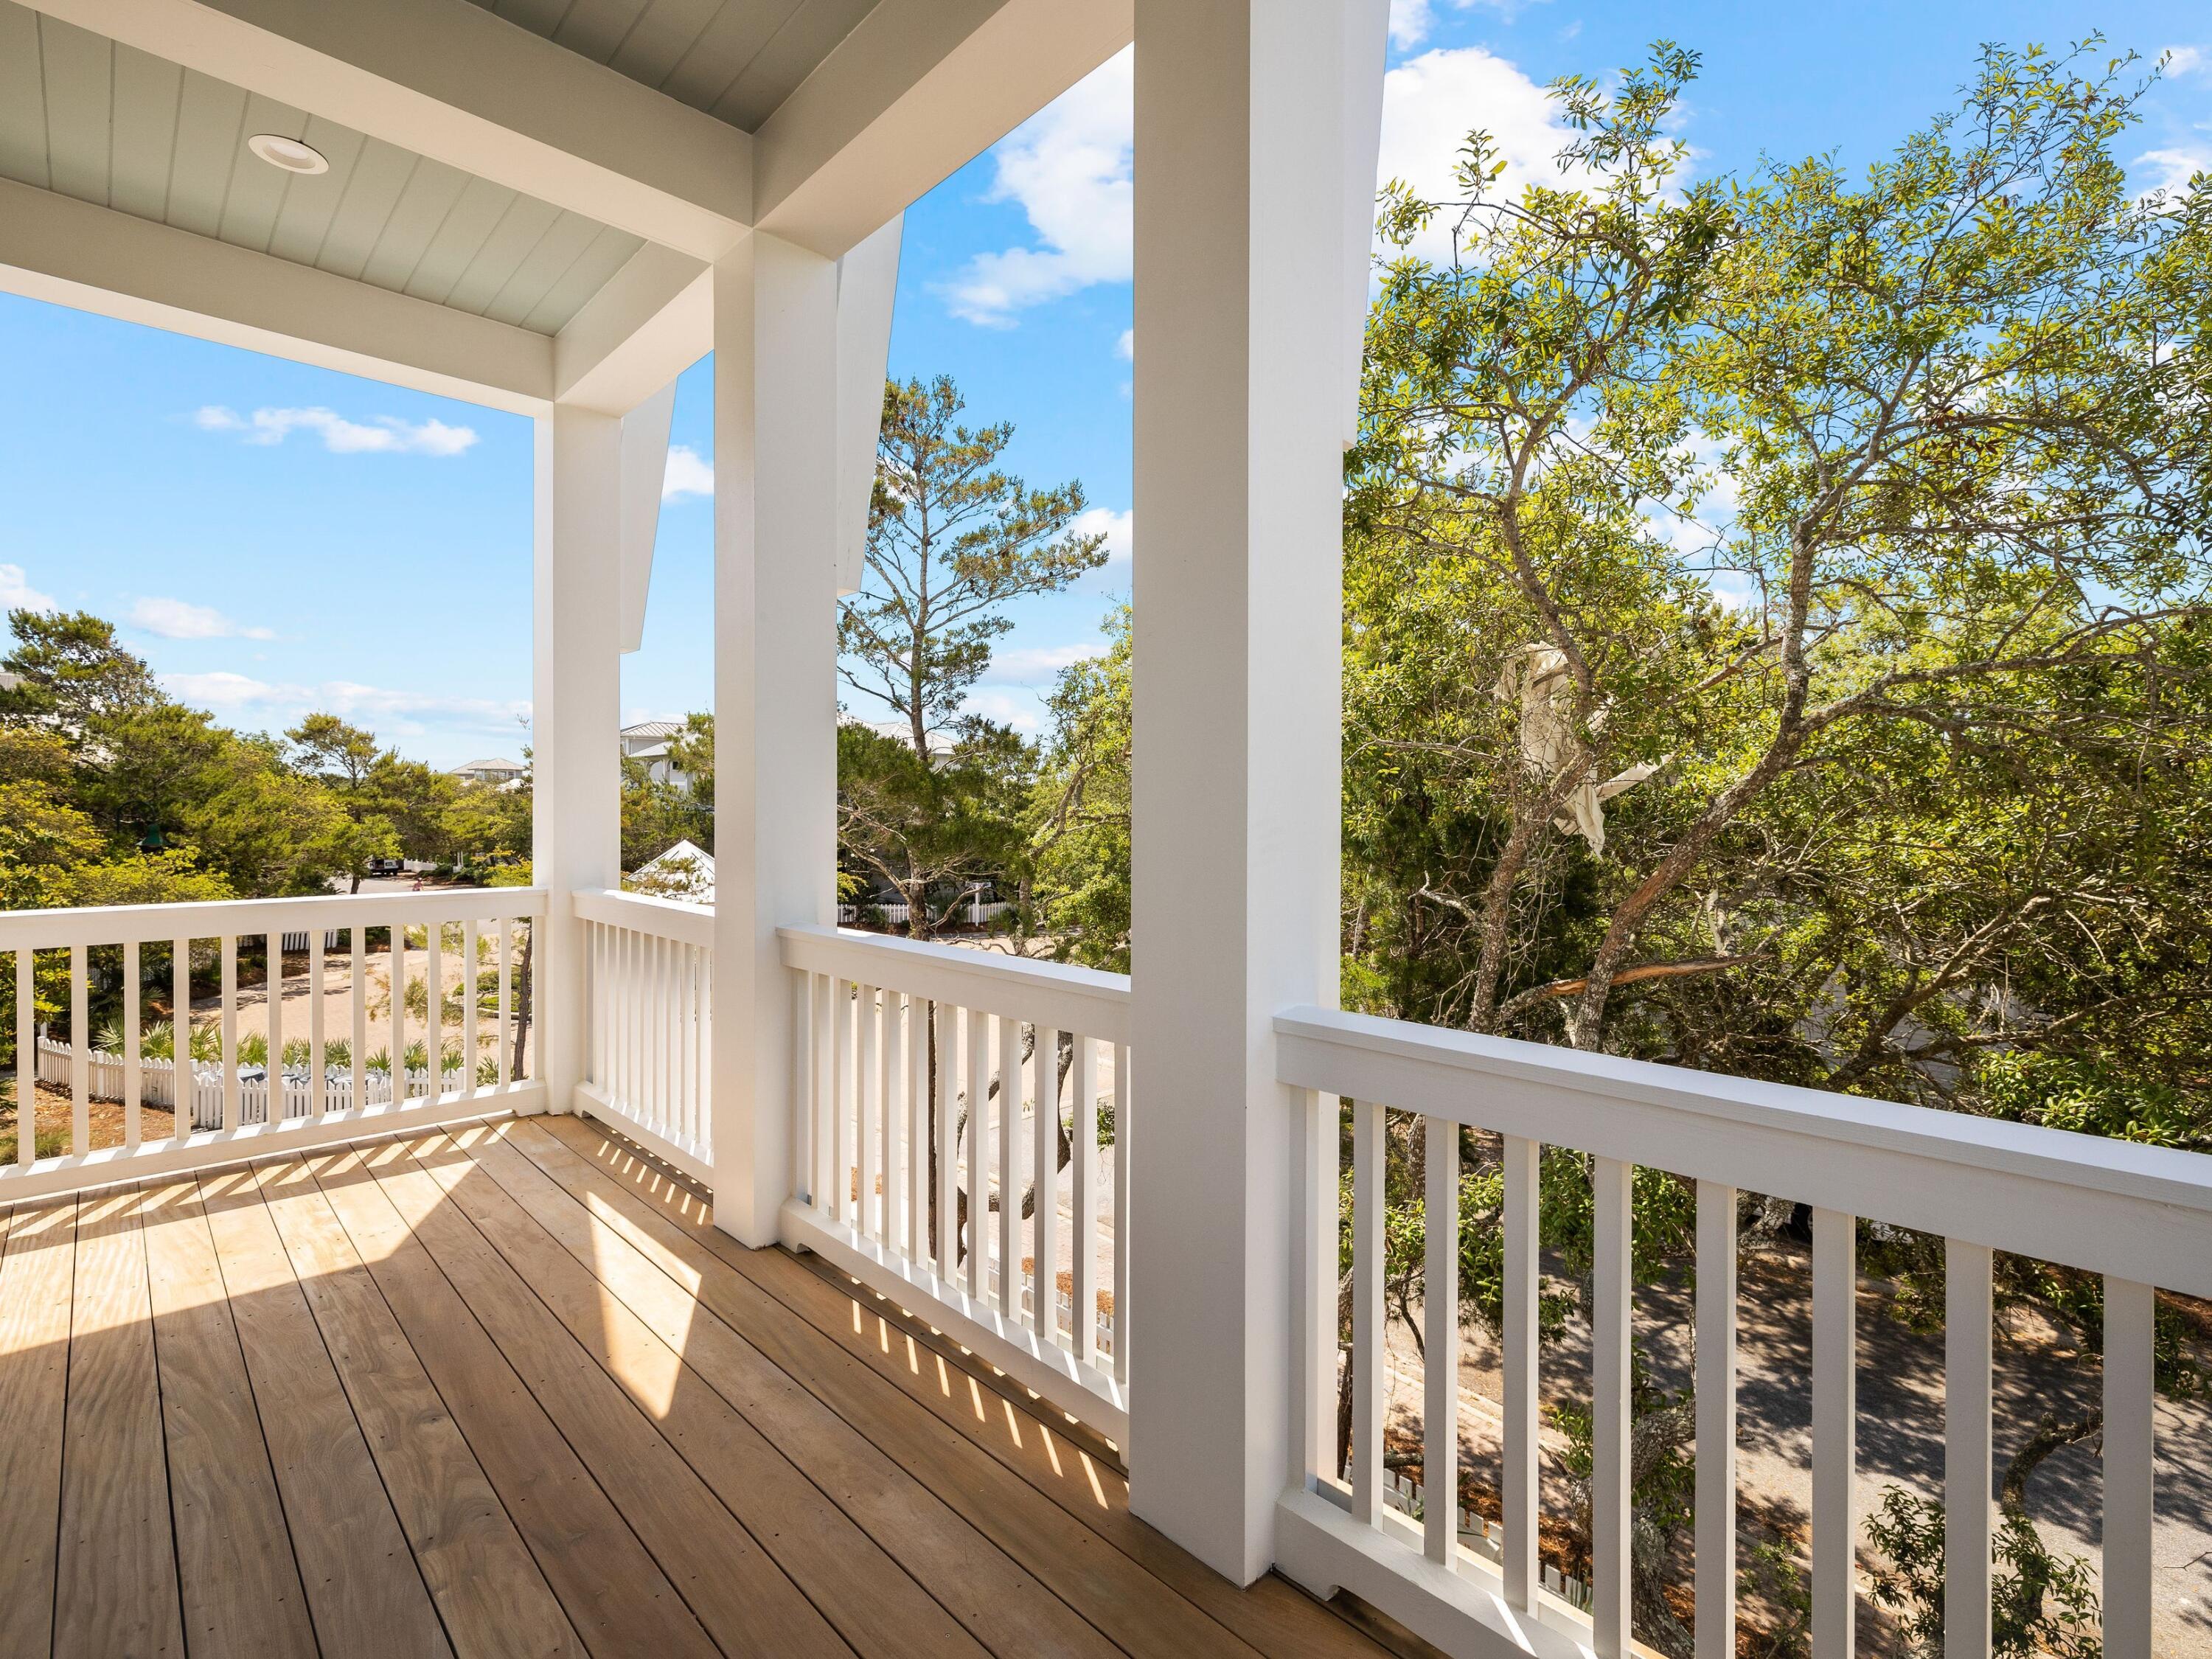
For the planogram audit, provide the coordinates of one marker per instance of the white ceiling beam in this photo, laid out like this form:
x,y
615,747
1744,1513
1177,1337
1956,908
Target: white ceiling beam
x,y
450,80
94,259
917,90
651,321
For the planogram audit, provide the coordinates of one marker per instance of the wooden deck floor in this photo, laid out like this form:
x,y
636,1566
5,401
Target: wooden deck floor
x,y
506,1391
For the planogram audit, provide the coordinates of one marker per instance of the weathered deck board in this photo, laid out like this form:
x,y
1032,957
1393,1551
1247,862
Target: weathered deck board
x,y
115,1581
364,1590
736,1590
488,1589
241,1590
614,1594
37,1276
504,1391
1004,1608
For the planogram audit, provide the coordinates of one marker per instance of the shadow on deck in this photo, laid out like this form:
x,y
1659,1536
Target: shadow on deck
x,y
505,1390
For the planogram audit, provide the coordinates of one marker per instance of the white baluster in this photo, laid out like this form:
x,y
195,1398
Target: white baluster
x,y
1716,1408
844,1101
133,1081
1612,1186
1044,1134
2130,1311
867,1080
1835,1430
1966,1451
27,1059
318,1065
275,981
1124,1116
357,1000
822,1129
1366,1312
1083,1202
471,1019
1440,1349
894,1059
81,1068
975,1057
946,1019
181,1076
1009,1168
233,1101
1518,1343
917,1130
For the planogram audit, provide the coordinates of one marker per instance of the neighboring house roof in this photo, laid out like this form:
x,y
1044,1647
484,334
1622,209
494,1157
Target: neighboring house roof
x,y
651,751
685,870
941,742
649,729
489,766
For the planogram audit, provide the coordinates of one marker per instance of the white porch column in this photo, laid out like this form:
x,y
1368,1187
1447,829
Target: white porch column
x,y
1241,262
576,713
775,693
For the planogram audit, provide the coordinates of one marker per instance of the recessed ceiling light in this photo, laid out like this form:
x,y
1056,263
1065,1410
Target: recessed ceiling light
x,y
288,154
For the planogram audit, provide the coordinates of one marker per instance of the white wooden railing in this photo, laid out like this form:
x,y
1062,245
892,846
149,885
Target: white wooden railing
x,y
2138,1216
121,947
650,969
918,1142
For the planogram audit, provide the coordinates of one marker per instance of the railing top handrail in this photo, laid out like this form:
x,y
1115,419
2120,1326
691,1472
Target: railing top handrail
x,y
647,913
126,924
2085,1201
1084,1000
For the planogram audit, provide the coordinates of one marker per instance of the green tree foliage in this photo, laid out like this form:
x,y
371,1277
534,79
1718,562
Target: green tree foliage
x,y
1776,642
1079,809
952,540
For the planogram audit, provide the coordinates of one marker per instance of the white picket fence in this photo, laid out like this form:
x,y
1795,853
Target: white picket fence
x,y
158,1082
974,912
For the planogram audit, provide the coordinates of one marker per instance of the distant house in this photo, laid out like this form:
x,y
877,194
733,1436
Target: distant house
x,y
684,872
649,741
489,771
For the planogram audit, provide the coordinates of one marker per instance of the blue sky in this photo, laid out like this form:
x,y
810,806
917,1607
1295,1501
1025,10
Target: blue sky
x,y
275,538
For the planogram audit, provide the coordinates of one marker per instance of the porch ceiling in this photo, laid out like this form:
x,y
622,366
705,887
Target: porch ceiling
x,y
104,123
735,59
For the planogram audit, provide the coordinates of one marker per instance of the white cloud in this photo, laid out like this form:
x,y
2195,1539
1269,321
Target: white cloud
x,y
2184,60
2172,169
689,473
395,713
1429,106
1119,531
1067,167
384,434
1034,663
1019,709
1410,21
16,592
180,619
1125,347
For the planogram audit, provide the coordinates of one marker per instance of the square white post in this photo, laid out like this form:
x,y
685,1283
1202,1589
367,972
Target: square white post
x,y
1242,137
775,694
576,716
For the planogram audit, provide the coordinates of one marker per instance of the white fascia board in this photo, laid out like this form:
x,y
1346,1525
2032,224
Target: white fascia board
x,y
93,259
867,283
918,89
650,322
644,471
1366,46
450,80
